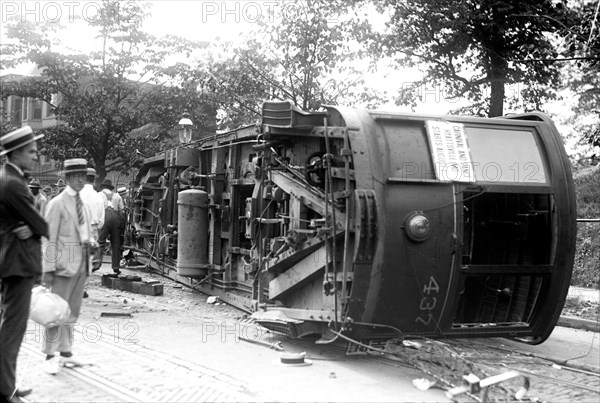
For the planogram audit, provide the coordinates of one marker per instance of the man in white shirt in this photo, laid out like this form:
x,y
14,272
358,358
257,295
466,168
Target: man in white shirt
x,y
113,223
96,203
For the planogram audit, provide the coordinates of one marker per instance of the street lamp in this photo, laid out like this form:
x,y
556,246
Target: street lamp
x,y
185,128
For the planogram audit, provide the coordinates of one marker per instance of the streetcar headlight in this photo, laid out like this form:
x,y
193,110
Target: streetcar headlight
x,y
417,226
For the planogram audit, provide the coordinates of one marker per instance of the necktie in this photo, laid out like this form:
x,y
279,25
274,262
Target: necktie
x,y
79,208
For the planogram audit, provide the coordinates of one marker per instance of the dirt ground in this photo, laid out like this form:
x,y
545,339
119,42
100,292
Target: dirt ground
x,y
582,309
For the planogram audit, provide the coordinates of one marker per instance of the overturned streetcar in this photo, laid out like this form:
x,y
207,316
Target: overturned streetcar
x,y
370,223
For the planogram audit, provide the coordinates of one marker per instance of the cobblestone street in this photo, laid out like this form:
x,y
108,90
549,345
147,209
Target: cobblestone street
x,y
177,347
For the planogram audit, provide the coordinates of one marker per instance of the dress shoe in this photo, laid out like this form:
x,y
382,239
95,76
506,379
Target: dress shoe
x,y
22,392
51,366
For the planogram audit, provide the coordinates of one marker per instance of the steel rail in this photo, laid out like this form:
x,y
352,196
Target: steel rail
x,y
90,378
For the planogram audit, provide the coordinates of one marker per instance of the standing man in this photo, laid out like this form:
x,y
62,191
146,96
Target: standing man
x,y
47,191
39,200
60,186
21,229
66,262
96,204
113,223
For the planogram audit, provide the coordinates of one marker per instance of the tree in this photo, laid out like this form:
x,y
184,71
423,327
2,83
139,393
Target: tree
x,y
305,54
474,48
584,41
104,96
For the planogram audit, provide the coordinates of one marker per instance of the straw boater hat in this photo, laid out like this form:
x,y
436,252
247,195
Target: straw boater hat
x,y
91,172
121,190
75,165
17,139
35,184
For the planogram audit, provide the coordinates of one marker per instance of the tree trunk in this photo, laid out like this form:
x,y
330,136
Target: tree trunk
x,y
496,98
100,173
497,76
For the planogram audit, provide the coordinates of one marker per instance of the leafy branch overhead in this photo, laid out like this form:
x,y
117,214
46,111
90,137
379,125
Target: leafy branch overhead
x,y
307,55
103,96
476,49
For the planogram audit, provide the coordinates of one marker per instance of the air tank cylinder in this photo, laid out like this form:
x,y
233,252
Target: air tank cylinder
x,y
192,237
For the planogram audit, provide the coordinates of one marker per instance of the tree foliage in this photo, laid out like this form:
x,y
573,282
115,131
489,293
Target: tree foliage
x,y
305,54
584,41
475,48
130,84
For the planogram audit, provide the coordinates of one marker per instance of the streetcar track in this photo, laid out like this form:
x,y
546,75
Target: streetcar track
x,y
90,378
149,355
182,380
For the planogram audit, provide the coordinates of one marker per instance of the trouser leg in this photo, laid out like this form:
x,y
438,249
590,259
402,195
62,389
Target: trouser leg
x,y
115,243
96,257
60,338
104,232
16,297
112,228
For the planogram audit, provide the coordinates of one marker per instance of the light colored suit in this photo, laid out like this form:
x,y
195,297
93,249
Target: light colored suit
x,y
65,253
64,250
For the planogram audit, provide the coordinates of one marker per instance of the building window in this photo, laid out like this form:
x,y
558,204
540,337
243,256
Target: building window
x,y
15,110
37,109
25,107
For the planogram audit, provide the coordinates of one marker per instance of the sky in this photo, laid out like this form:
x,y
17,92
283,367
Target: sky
x,y
198,20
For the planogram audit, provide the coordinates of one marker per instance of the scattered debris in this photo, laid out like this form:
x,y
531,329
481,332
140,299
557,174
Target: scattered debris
x,y
116,314
423,384
132,284
472,384
294,360
412,344
212,299
274,346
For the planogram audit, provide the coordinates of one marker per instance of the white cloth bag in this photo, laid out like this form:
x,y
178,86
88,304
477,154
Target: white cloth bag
x,y
48,309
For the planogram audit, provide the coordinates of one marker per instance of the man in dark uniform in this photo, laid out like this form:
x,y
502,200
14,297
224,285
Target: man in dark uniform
x,y
21,229
39,199
113,222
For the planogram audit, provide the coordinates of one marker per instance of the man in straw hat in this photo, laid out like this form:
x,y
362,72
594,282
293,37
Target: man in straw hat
x,y
66,266
96,203
39,200
21,229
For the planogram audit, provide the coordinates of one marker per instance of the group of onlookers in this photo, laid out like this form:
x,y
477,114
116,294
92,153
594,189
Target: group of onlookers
x,y
52,242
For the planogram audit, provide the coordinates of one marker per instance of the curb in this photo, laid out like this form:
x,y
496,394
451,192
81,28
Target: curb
x,y
578,323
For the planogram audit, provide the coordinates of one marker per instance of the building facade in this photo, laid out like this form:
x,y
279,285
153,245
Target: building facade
x,y
22,111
